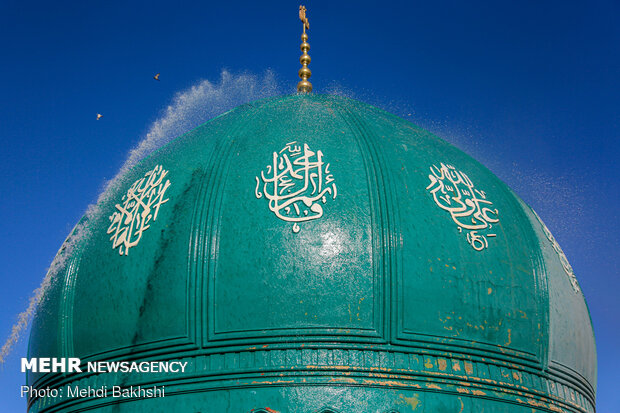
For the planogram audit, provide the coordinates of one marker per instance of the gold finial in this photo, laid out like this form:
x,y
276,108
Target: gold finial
x,y
304,73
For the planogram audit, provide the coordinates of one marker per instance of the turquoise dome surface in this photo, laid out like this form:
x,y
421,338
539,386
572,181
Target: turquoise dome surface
x,y
312,253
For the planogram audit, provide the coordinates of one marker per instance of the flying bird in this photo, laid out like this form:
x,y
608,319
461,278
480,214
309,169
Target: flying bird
x,y
99,116
156,77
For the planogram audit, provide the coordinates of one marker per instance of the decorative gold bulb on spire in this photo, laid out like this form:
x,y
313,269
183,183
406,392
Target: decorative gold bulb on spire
x,y
304,73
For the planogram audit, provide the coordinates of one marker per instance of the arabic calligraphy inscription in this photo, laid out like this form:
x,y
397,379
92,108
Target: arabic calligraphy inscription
x,y
469,207
565,264
139,206
297,184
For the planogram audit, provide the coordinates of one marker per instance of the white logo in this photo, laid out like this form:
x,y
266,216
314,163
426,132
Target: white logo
x,y
296,183
567,267
140,205
454,192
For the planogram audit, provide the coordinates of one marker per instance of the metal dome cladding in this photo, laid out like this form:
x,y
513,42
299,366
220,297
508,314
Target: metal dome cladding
x,y
312,253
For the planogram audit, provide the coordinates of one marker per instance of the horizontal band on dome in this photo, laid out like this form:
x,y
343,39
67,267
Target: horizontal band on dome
x,y
327,367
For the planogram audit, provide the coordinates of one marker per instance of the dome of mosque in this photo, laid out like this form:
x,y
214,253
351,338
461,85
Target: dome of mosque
x,y
312,253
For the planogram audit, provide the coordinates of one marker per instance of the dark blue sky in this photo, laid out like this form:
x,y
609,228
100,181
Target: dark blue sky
x,y
529,88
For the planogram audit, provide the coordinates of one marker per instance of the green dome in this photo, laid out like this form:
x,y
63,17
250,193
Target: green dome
x,y
312,253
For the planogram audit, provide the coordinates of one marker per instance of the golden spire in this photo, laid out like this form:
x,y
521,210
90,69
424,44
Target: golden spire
x,y
304,73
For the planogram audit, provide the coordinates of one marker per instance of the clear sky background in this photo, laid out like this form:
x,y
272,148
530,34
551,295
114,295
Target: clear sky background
x,y
531,89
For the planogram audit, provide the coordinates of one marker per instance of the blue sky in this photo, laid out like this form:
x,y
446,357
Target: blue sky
x,y
528,88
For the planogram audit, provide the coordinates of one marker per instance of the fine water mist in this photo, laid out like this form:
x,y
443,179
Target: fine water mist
x,y
188,109
558,196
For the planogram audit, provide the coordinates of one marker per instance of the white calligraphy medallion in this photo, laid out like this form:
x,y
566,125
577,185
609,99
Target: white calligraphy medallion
x,y
565,264
469,207
297,184
139,206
